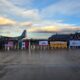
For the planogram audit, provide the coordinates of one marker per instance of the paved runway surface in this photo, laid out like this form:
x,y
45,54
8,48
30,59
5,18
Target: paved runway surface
x,y
40,65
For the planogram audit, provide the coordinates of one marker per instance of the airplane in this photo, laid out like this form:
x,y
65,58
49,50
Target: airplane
x,y
23,35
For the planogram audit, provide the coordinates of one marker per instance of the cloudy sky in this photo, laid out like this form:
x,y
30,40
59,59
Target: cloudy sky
x,y
41,18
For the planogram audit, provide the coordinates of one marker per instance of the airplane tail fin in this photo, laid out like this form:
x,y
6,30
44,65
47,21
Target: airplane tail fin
x,y
23,35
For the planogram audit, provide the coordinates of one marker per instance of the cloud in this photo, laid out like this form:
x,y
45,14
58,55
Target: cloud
x,y
60,7
44,26
22,2
7,7
64,7
57,23
71,29
25,24
53,27
47,29
36,19
6,21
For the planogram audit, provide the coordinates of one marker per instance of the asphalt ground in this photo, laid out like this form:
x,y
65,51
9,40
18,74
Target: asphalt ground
x,y
40,65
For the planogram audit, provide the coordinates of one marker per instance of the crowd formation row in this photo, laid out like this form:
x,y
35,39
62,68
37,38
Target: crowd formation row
x,y
39,44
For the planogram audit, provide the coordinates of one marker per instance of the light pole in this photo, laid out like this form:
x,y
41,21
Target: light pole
x,y
29,46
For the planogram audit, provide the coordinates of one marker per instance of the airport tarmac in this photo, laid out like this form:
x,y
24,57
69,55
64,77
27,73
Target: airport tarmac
x,y
40,65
